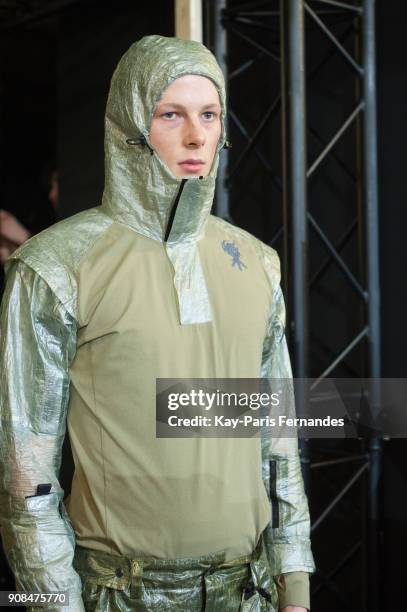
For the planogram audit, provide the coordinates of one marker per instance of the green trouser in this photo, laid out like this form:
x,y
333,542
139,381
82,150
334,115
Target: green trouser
x,y
203,584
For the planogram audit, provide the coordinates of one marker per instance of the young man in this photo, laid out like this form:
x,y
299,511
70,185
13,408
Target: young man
x,y
99,306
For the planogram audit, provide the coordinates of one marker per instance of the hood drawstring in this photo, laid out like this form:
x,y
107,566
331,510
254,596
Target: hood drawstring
x,y
139,141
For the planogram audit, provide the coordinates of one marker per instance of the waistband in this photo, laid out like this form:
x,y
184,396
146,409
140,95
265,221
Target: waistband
x,y
145,579
118,571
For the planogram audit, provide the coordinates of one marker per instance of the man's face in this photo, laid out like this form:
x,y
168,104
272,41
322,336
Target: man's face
x,y
186,126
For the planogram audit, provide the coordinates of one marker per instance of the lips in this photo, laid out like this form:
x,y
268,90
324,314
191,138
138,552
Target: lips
x,y
193,165
192,162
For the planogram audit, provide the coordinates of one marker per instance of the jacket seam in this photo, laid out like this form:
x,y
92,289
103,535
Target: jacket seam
x,y
82,261
101,444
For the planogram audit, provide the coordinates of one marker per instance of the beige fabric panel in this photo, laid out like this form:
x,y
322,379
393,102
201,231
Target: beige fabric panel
x,y
134,493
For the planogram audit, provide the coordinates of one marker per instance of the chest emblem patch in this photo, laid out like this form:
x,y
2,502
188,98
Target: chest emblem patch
x,y
231,249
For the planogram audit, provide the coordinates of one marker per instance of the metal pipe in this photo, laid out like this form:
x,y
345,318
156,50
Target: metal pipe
x,y
334,155
340,357
340,262
373,285
338,497
335,138
342,563
344,5
298,180
260,156
295,187
346,236
245,66
329,462
252,42
252,139
220,51
334,40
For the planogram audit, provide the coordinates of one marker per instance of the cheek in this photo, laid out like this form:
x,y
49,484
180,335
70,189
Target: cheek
x,y
215,136
162,140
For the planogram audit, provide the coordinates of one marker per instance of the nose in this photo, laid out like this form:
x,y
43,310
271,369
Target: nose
x,y
194,135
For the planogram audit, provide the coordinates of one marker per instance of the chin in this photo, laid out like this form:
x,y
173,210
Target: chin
x,y
189,175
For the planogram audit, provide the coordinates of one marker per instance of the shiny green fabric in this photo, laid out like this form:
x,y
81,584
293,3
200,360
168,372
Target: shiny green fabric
x,y
37,345
209,583
39,321
288,543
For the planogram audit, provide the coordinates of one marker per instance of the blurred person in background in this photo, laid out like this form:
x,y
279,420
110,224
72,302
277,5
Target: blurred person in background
x,y
12,234
29,208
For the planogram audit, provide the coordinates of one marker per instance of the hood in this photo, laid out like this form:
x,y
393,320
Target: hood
x,y
140,190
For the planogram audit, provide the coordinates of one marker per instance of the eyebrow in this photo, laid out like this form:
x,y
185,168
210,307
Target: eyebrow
x,y
175,105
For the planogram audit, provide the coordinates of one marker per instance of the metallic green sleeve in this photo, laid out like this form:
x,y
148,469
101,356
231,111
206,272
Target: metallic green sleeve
x,y
37,345
287,536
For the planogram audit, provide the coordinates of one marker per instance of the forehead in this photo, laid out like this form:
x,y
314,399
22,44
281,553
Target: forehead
x,y
192,88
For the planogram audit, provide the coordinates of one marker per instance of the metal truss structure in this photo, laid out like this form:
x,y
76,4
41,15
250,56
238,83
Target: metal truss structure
x,y
322,189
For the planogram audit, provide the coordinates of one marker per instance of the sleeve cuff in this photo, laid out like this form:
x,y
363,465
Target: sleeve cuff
x,y
293,589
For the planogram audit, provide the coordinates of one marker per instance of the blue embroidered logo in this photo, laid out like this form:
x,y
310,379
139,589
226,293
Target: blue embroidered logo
x,y
231,249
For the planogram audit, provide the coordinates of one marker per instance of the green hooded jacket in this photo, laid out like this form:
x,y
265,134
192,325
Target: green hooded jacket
x,y
147,285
